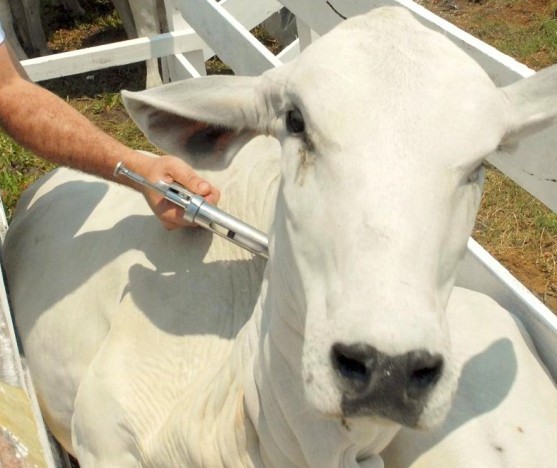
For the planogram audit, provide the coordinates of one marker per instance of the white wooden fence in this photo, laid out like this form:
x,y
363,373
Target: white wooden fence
x,y
201,28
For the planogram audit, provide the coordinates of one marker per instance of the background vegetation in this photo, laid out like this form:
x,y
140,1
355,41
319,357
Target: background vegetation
x,y
513,226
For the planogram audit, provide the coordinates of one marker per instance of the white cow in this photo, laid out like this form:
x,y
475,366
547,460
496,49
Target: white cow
x,y
159,348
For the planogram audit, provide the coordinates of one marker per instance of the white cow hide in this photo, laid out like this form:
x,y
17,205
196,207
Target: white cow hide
x,y
504,414
159,348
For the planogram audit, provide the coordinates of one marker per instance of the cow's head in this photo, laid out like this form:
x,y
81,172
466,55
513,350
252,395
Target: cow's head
x,y
384,126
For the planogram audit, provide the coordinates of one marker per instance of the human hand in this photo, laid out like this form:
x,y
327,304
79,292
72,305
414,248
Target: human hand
x,y
171,169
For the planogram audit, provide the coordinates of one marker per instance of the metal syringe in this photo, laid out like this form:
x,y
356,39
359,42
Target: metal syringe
x,y
197,210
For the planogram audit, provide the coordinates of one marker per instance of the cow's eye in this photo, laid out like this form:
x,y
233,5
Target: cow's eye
x,y
295,121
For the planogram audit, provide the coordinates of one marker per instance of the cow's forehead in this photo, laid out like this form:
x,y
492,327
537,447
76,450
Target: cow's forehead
x,y
381,75
386,47
382,32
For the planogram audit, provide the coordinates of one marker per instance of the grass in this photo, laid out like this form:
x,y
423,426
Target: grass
x,y
521,233
534,44
513,226
19,168
523,29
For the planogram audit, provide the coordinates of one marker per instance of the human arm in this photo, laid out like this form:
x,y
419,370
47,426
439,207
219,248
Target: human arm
x,y
52,129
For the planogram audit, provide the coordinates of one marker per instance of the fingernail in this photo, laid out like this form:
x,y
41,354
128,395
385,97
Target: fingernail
x,y
203,186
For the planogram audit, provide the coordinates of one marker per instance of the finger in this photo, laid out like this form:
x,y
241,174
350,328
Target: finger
x,y
184,174
196,183
172,216
203,188
214,196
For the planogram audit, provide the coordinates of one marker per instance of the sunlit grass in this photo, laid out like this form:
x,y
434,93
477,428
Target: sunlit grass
x,y
18,169
521,233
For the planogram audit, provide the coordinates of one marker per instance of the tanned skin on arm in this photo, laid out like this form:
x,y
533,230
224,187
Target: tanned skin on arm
x,y
49,127
46,125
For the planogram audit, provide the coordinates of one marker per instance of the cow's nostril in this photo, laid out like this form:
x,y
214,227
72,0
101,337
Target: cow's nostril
x,y
352,362
425,376
372,382
350,368
425,371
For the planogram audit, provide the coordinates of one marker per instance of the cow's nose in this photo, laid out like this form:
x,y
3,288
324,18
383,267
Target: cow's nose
x,y
396,387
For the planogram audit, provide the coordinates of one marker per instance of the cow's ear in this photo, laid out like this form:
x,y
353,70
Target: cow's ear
x,y
528,150
204,121
533,103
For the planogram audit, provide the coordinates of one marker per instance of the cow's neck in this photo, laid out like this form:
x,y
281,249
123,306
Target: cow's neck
x,y
288,432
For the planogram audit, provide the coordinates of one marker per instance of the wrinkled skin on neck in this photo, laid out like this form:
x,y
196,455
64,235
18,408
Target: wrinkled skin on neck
x,y
276,406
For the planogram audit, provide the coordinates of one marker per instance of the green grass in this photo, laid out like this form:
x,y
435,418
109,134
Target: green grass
x,y
19,169
523,29
547,222
508,211
521,233
535,44
107,112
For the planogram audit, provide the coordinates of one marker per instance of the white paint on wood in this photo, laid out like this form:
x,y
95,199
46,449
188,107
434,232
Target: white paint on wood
x,y
12,371
305,34
227,37
248,15
110,55
3,223
135,50
290,52
250,12
319,15
182,66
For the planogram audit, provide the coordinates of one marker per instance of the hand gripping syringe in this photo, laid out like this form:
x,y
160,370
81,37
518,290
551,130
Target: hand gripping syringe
x,y
198,211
